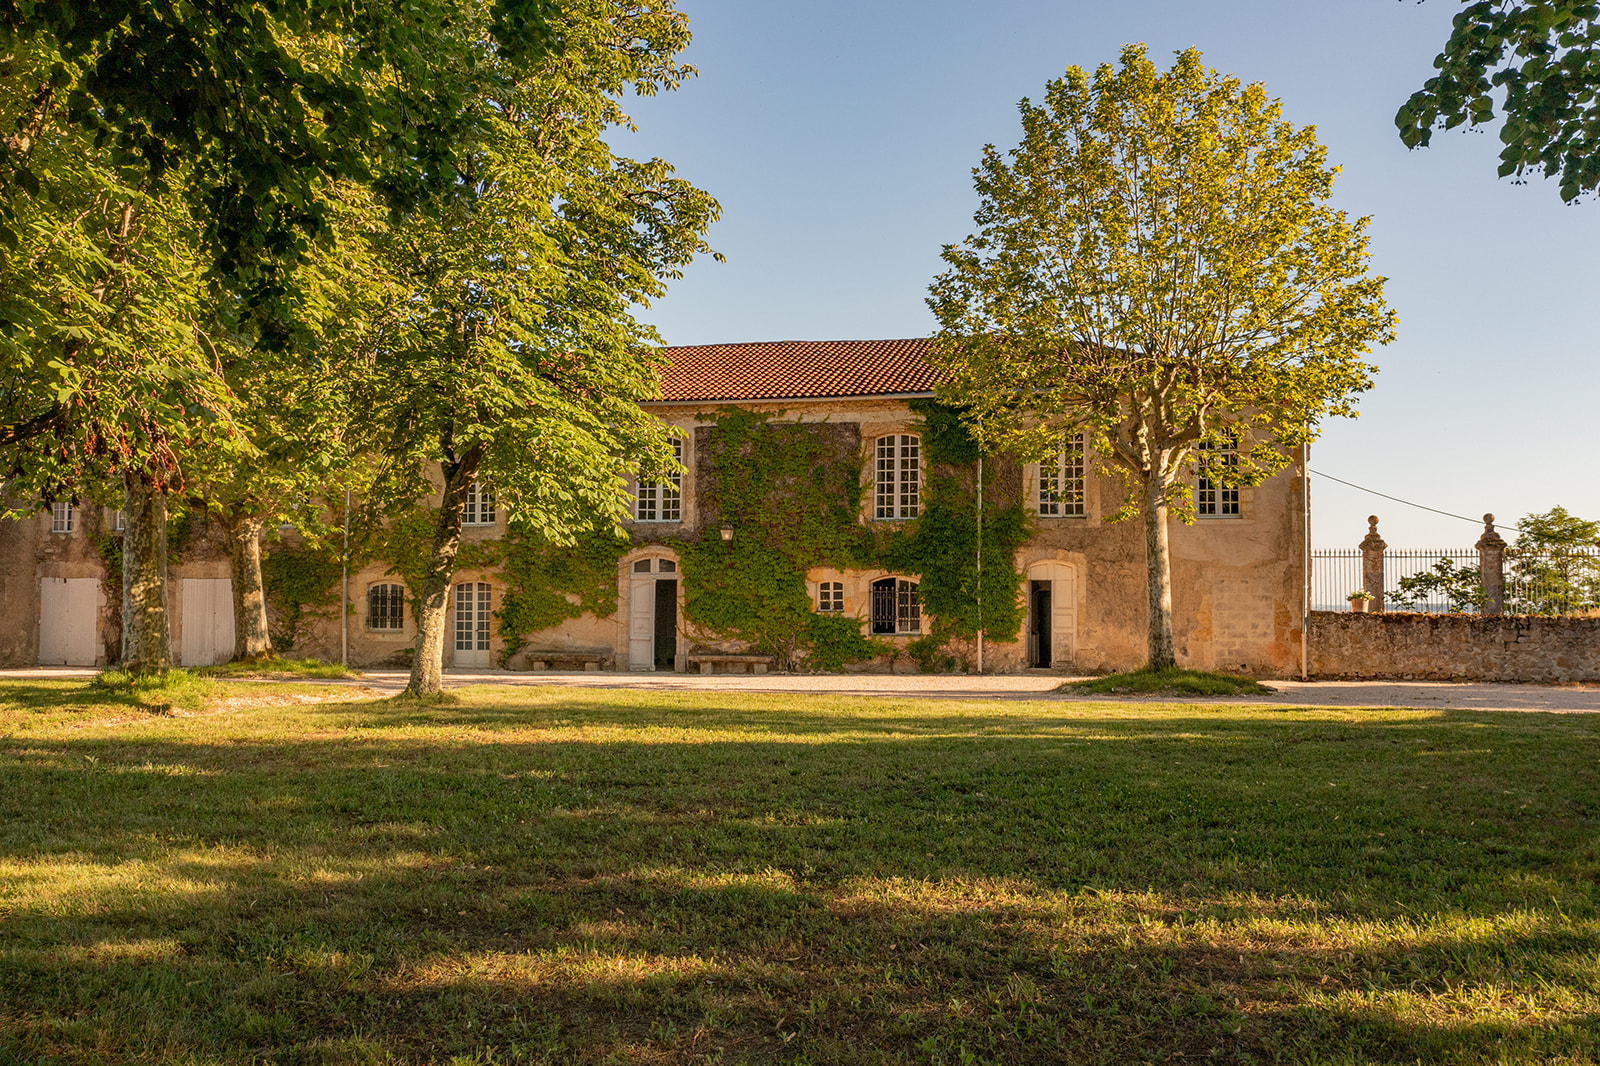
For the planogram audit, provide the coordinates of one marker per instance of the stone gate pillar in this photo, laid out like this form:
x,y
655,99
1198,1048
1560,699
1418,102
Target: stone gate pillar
x,y
1372,547
1492,567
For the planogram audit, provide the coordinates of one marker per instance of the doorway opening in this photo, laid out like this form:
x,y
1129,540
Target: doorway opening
x,y
1039,624
653,615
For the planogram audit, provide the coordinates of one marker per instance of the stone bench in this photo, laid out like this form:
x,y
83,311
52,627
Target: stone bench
x,y
551,659
732,663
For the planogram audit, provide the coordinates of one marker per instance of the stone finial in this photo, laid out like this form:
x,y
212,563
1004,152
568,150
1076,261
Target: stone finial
x,y
1490,538
1372,541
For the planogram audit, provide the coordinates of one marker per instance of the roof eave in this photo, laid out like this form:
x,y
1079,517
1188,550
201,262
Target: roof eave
x,y
792,399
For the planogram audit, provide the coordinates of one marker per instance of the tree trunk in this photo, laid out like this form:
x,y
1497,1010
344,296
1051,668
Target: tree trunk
x,y
1158,572
146,626
427,665
250,638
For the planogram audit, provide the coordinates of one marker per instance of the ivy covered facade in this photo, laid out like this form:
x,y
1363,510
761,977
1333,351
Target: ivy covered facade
x,y
830,515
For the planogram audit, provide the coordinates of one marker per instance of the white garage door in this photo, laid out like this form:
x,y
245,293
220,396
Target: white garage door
x,y
207,622
69,609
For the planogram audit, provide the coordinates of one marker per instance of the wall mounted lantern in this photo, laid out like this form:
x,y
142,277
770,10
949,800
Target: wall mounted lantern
x,y
727,532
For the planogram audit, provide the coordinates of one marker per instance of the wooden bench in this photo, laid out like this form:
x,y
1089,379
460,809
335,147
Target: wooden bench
x,y
733,663
552,659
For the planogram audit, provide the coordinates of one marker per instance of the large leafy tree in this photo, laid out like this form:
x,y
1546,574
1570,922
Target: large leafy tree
x,y
1157,264
227,92
509,356
1539,60
107,363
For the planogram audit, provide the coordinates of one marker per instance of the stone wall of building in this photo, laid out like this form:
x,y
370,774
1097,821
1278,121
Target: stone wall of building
x,y
1454,647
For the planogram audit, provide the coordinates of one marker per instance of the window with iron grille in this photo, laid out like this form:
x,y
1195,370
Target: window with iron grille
x,y
899,481
386,606
662,501
480,507
830,596
895,606
1061,480
1217,498
61,517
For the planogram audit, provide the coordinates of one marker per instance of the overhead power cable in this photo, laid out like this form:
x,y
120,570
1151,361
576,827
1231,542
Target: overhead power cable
x,y
1408,503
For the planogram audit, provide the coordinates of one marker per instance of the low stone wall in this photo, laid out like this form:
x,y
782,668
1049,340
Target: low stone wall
x,y
1454,647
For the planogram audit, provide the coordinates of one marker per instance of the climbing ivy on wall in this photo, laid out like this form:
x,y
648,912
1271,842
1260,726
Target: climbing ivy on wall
x,y
547,584
941,545
298,578
792,492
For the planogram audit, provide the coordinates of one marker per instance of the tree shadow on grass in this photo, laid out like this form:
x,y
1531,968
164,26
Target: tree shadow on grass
x,y
1220,890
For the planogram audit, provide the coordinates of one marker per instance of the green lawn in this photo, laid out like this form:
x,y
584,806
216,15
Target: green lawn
x,y
585,876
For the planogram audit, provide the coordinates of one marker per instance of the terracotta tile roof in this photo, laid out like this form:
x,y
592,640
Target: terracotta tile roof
x,y
793,370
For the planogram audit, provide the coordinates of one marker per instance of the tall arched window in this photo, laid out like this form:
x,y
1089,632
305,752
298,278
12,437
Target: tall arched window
x,y
899,481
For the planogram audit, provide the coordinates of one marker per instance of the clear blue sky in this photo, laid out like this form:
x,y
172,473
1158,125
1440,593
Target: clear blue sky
x,y
840,136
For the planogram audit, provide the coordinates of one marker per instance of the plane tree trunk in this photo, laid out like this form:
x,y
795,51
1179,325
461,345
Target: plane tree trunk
x,y
1158,571
251,641
427,665
146,624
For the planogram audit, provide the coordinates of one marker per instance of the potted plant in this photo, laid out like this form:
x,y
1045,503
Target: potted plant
x,y
1360,600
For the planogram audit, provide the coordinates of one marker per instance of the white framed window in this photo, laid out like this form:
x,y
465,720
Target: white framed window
x,y
386,607
1217,498
480,507
830,597
61,517
1061,480
896,607
662,501
119,522
899,476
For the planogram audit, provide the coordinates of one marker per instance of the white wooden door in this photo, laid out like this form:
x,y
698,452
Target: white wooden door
x,y
642,617
473,612
69,609
1063,578
207,622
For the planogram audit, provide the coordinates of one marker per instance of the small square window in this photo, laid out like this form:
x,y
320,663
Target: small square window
x,y
830,596
61,517
386,607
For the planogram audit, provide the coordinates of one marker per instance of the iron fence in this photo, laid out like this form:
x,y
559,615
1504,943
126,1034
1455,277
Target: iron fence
x,y
1335,574
1552,582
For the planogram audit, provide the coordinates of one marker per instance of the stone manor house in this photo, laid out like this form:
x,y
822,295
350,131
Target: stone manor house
x,y
1236,569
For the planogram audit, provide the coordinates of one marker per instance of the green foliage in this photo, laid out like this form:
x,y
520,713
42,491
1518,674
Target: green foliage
x,y
297,579
279,668
941,545
1458,586
546,583
1171,681
1554,565
159,693
793,493
1158,263
834,641
1542,58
